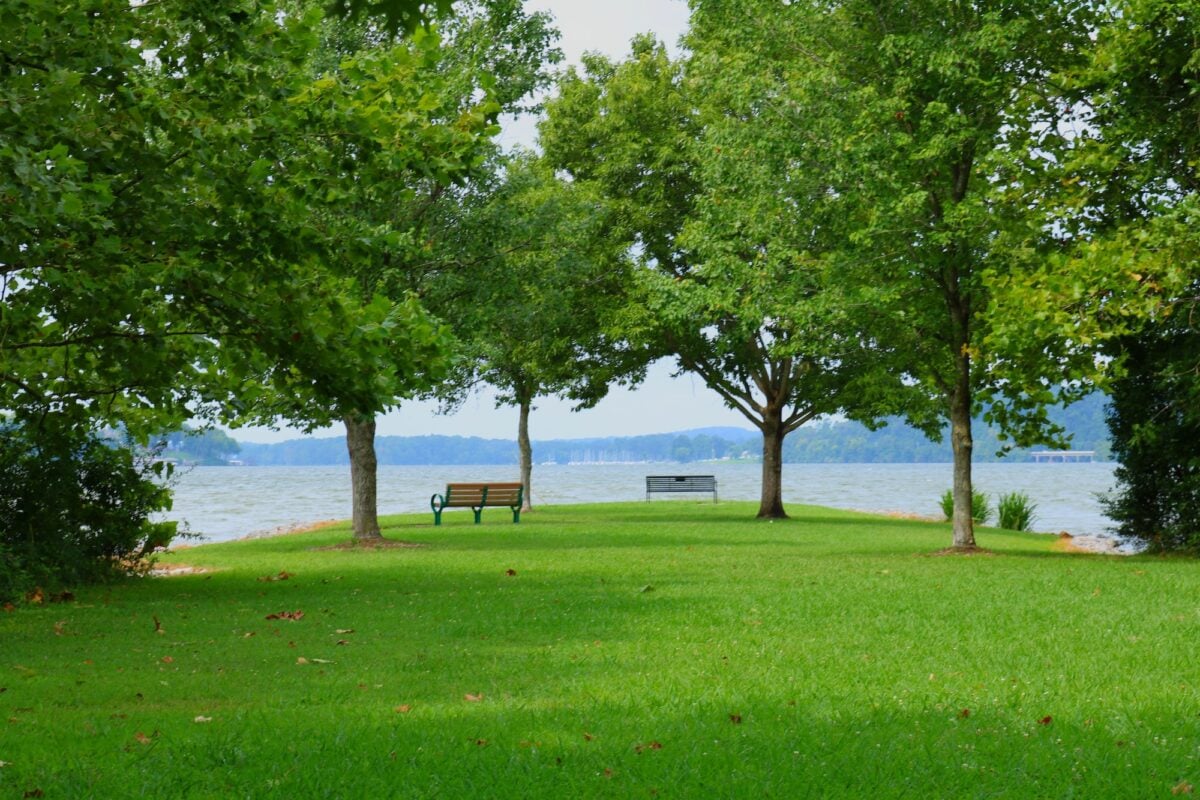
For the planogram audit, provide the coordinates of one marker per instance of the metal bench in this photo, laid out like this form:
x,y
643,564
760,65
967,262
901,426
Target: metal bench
x,y
658,484
477,496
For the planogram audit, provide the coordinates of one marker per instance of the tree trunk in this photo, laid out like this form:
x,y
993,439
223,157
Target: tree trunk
x,y
360,441
526,448
961,446
771,505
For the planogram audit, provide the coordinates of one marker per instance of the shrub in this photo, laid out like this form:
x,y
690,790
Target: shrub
x,y
1155,424
980,510
1015,511
74,508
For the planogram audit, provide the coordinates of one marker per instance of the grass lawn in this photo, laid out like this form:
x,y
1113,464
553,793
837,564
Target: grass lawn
x,y
666,649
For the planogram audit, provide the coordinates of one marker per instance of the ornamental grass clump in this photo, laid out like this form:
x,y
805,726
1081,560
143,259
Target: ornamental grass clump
x,y
1015,511
980,510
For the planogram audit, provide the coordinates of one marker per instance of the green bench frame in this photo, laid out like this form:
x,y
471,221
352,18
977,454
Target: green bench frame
x,y
477,496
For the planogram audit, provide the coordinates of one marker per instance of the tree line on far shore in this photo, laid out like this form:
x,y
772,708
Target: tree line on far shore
x,y
826,442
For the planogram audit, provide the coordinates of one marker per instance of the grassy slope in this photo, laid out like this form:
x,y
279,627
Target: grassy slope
x,y
671,649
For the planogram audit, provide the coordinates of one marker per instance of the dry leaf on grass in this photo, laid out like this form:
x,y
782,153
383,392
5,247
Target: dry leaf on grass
x,y
473,698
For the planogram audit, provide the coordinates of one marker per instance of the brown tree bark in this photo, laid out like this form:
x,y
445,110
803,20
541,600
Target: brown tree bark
x,y
360,442
526,453
961,445
771,504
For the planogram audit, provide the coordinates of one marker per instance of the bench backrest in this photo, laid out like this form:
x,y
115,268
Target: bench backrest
x,y
474,494
681,483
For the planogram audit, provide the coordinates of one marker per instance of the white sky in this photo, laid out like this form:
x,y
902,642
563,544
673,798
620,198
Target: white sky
x,y
661,404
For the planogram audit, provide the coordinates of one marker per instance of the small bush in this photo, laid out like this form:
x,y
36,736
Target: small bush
x,y
73,509
980,510
1015,511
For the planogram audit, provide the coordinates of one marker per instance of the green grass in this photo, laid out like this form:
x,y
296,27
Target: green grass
x,y
669,649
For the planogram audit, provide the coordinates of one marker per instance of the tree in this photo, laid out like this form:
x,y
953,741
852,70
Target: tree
x,y
1140,196
436,95
161,261
733,227
536,301
933,117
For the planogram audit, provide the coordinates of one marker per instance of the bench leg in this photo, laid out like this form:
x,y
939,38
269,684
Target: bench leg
x,y
516,515
478,514
437,517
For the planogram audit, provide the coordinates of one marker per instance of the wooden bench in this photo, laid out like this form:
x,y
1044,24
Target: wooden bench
x,y
681,483
477,496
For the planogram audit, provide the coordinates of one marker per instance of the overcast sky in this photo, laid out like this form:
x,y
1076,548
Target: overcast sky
x,y
660,405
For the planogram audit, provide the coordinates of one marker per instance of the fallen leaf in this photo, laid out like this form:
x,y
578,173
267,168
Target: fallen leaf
x,y
1046,720
481,742
157,625
167,660
301,660
403,709
9,608
143,738
292,615
473,698
36,596
510,572
608,773
342,641
647,746
282,575
966,712
34,793
202,719
320,661
248,634
1183,787
736,719
59,627
344,630
646,588
4,764
587,737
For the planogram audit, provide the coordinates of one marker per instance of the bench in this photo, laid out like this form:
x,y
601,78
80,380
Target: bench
x,y
681,483
477,496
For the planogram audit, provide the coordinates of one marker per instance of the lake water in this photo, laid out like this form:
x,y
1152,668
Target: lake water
x,y
224,503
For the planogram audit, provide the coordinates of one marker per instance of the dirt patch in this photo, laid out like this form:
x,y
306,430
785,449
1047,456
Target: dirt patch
x,y
973,550
372,544
1066,543
175,570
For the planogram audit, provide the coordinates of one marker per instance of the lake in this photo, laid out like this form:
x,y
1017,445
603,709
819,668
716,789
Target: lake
x,y
223,503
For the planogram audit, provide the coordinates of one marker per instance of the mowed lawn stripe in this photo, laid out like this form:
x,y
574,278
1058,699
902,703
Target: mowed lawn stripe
x,y
670,649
